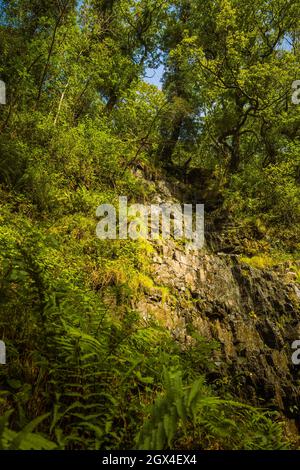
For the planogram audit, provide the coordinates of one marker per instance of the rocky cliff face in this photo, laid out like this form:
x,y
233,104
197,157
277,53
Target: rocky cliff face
x,y
254,314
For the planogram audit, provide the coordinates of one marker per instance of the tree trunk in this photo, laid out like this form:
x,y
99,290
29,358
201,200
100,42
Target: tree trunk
x,y
235,154
168,147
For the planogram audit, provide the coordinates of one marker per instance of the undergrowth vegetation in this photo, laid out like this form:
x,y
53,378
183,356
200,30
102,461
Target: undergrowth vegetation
x,y
84,368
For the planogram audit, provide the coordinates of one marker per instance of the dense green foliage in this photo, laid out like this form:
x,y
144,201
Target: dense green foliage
x,y
84,370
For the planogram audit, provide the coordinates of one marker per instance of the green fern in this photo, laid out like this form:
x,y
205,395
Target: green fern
x,y
192,415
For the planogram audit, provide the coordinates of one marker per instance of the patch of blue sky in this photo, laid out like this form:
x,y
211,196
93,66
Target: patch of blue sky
x,y
154,76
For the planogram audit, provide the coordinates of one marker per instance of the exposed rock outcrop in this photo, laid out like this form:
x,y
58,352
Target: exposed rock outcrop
x,y
253,313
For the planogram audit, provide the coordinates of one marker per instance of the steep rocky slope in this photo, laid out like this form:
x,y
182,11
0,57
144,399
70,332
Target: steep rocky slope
x,y
254,315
